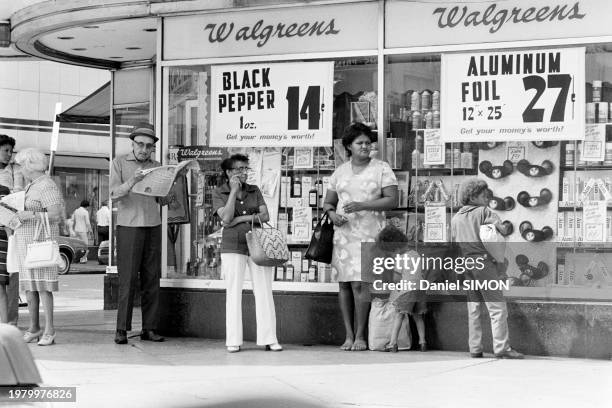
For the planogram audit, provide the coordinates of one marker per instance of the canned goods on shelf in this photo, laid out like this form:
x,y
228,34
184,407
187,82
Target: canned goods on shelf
x,y
590,113
602,112
425,100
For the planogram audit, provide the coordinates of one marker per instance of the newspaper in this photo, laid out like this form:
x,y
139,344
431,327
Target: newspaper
x,y
15,200
8,216
158,181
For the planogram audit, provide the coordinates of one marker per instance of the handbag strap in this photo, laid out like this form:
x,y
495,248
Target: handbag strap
x,y
253,221
39,227
42,225
47,225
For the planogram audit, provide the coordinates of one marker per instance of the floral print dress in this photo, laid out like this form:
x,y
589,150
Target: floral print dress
x,y
362,226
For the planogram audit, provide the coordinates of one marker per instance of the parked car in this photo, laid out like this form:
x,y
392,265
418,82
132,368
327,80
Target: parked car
x,y
103,252
71,250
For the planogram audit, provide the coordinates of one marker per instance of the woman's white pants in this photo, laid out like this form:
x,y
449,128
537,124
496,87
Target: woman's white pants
x,y
233,268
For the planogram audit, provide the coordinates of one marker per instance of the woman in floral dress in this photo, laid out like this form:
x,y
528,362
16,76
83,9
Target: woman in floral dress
x,y
41,196
359,191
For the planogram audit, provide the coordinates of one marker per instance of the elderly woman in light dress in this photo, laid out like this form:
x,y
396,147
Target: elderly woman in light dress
x,y
42,196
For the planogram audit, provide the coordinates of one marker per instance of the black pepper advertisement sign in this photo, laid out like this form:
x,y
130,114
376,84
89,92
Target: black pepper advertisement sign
x,y
529,95
262,105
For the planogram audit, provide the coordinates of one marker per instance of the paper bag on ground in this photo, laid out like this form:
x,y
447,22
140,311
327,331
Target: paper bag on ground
x,y
158,181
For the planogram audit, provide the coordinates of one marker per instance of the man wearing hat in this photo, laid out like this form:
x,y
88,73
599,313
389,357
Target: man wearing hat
x,y
138,236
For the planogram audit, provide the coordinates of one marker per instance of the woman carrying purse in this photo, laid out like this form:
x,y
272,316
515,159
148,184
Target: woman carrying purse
x,y
43,199
238,204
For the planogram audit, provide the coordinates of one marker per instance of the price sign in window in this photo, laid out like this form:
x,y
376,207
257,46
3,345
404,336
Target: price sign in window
x,y
535,94
280,104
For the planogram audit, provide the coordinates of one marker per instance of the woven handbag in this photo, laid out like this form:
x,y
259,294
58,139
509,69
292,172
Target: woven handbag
x,y
267,245
43,254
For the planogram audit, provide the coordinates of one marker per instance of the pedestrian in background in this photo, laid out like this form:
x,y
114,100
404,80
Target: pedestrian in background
x,y
138,236
11,177
358,193
41,196
82,225
103,218
475,195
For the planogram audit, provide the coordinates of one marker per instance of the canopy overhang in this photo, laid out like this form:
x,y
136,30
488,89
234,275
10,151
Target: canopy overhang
x,y
95,108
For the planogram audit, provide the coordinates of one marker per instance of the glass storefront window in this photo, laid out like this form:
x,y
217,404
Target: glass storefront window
x,y
82,184
193,248
542,188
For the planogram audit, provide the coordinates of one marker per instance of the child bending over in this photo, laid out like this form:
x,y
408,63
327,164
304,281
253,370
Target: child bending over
x,y
406,302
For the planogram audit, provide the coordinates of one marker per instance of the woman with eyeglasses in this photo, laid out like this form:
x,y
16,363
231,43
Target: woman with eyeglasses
x,y
238,204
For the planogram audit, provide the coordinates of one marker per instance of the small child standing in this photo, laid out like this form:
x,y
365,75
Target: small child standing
x,y
406,302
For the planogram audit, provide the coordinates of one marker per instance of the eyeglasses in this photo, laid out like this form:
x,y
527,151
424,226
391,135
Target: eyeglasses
x,y
147,146
241,169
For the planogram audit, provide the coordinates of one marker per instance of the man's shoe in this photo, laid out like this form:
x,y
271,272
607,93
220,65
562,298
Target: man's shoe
x,y
476,355
121,337
150,335
511,355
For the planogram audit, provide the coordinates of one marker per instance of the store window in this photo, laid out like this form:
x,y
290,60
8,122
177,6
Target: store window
x,y
82,184
545,189
193,240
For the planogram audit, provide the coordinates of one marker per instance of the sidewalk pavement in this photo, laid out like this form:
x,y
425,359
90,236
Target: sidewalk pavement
x,y
193,372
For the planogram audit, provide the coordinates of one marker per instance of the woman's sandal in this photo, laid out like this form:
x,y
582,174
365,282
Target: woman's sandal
x,y
233,349
30,337
47,340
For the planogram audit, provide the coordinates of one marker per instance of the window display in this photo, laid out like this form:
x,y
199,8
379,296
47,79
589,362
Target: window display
x,y
293,180
546,189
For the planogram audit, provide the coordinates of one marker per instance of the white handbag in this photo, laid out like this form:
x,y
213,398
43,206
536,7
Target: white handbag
x,y
43,254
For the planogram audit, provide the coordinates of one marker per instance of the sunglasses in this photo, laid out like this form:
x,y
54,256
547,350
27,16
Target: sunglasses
x,y
241,169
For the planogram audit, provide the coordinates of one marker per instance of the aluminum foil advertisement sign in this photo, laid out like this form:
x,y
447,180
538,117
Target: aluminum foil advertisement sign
x,y
530,95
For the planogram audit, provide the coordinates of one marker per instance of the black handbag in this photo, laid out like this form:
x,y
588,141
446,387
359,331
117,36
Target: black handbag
x,y
322,241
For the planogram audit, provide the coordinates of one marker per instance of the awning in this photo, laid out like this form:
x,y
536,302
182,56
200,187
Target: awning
x,y
79,162
93,109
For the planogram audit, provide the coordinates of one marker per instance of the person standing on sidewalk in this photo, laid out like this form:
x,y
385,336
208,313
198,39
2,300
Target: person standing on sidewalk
x,y
103,217
138,236
474,195
43,201
11,177
4,275
358,193
82,225
239,204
